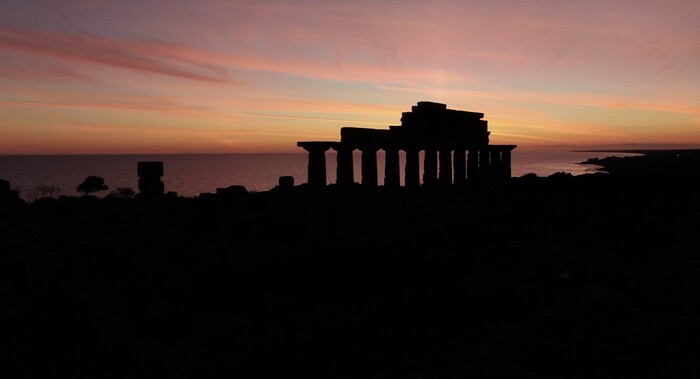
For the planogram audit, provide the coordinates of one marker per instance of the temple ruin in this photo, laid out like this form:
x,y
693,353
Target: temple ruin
x,y
455,147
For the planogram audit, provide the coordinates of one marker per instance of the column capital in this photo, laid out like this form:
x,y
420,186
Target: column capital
x,y
317,145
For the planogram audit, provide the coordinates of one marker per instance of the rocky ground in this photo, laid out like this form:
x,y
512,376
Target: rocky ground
x,y
556,277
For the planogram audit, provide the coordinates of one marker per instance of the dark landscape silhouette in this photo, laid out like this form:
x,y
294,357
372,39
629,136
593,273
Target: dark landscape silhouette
x,y
486,275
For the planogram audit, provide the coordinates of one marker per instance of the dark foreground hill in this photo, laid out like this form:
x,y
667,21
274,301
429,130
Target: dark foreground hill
x,y
556,277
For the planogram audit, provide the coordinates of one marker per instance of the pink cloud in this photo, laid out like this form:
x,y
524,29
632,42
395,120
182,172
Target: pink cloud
x,y
109,103
143,56
302,65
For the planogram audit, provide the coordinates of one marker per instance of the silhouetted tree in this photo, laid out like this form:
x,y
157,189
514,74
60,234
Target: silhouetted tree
x,y
92,184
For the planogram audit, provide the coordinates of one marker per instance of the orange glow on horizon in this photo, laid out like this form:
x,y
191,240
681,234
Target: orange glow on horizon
x,y
248,77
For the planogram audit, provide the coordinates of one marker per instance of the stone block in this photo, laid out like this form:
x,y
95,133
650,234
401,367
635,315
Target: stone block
x,y
150,169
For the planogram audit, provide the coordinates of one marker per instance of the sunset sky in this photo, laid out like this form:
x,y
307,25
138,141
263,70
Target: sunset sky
x,y
170,76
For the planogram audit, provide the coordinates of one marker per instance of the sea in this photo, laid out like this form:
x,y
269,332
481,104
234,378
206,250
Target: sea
x,y
190,175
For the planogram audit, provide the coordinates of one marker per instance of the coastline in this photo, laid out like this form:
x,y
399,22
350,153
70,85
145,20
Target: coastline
x,y
538,276
676,162
192,174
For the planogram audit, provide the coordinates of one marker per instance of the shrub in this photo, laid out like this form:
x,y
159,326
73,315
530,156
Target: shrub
x,y
122,193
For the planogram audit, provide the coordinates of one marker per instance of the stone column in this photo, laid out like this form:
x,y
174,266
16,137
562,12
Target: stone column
x,y
460,167
506,164
496,166
6,194
445,174
369,166
149,178
412,169
430,167
484,163
392,169
345,173
317,162
473,165
4,187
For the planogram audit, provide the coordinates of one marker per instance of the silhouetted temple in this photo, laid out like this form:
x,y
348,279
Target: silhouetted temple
x,y
455,146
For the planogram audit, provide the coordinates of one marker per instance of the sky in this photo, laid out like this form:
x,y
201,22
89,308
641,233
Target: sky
x,y
228,76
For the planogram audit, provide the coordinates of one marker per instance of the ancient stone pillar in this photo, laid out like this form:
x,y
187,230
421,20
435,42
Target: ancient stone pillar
x,y
392,169
412,169
345,173
149,178
445,174
460,167
496,166
430,167
7,194
484,163
4,187
317,162
369,166
472,165
506,164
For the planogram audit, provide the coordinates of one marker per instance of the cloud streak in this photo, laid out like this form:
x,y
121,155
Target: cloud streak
x,y
543,72
142,56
